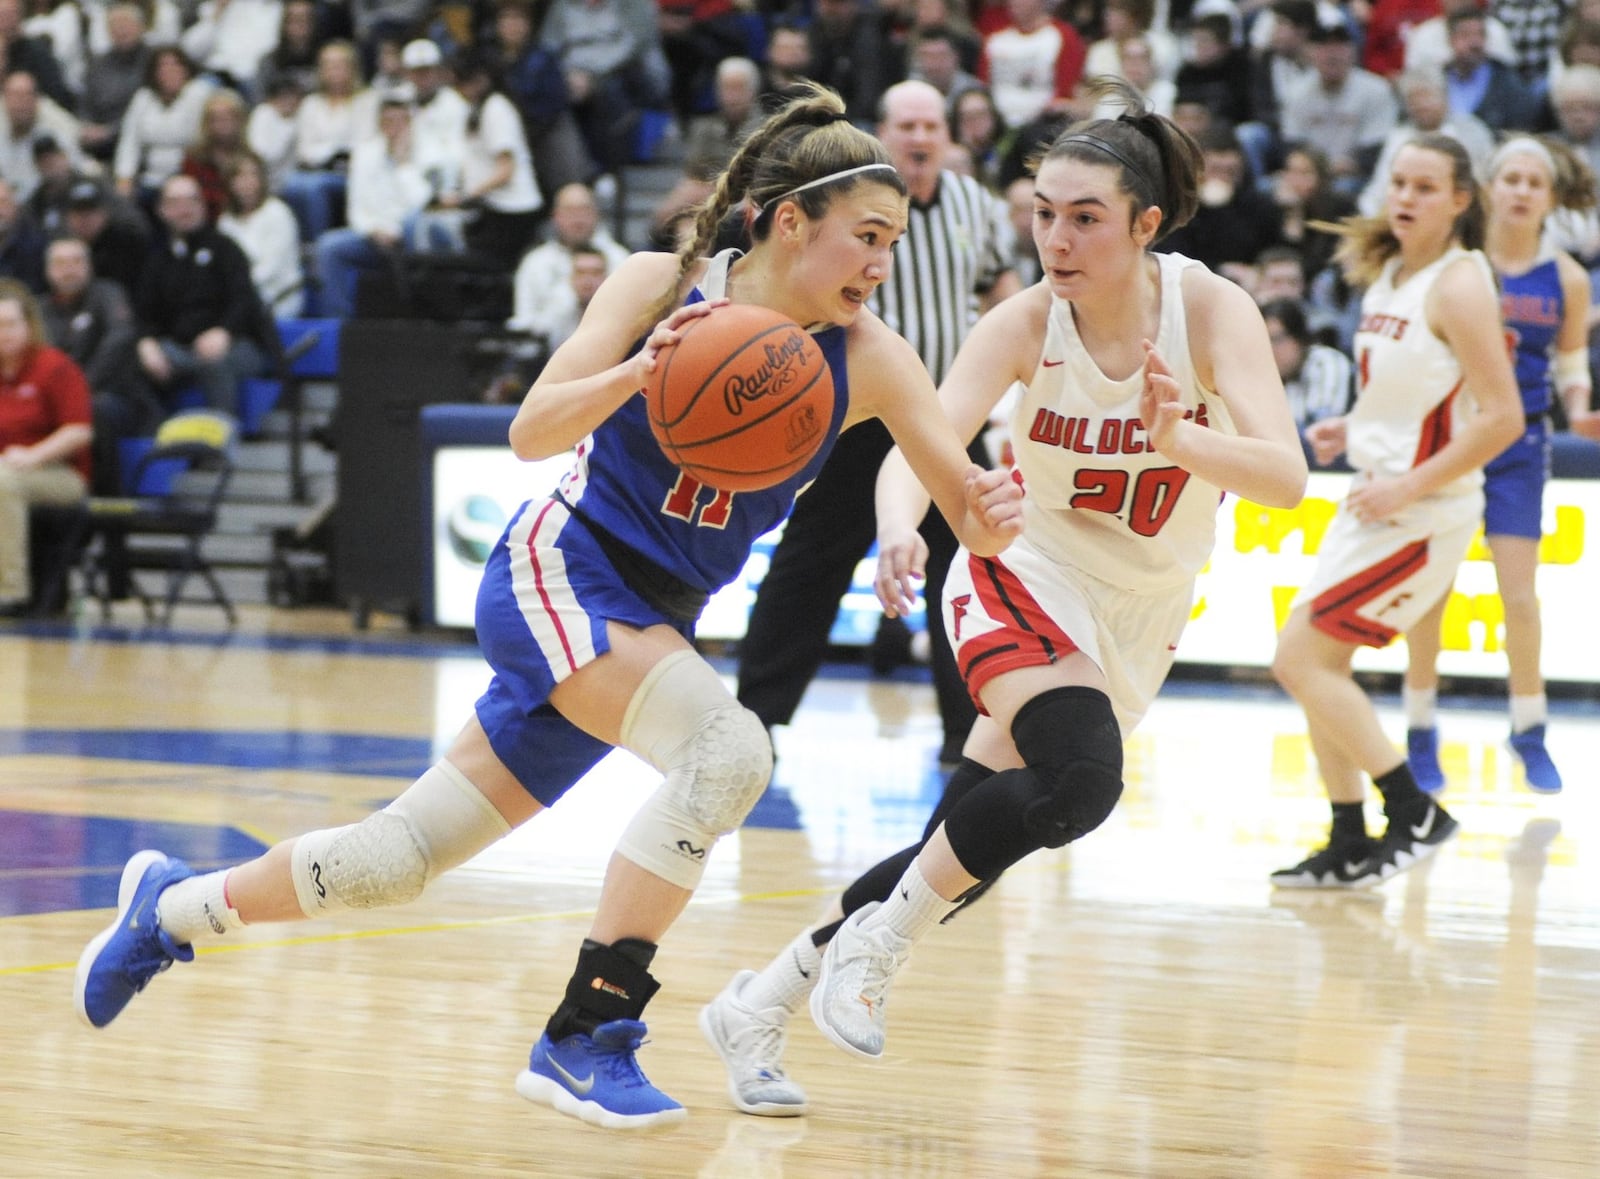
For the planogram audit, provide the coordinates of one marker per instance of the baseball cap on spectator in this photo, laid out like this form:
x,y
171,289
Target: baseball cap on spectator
x,y
420,54
86,194
1330,32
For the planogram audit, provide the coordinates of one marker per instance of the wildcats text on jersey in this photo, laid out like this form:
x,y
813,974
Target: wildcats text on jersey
x,y
1115,435
1379,324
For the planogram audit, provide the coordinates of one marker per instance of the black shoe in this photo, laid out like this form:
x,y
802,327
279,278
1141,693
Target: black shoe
x,y
891,646
1411,839
1345,863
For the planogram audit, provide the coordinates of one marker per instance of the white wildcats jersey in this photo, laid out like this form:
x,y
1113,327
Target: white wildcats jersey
x,y
1410,399
1099,498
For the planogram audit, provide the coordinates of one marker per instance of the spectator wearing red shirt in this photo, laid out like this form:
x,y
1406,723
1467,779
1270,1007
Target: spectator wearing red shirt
x,y
1033,63
44,434
1388,29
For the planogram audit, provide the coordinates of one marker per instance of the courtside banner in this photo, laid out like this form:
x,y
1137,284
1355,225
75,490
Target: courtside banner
x,y
1264,555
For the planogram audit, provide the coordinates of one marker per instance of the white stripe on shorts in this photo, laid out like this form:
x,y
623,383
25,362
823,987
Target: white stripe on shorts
x,y
539,582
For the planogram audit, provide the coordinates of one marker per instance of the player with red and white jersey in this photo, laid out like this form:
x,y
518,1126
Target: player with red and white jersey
x,y
1150,388
1436,400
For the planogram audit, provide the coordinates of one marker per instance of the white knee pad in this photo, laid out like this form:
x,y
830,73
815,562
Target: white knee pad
x,y
442,820
715,754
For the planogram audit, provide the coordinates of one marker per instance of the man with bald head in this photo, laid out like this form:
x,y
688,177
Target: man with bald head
x,y
953,262
200,319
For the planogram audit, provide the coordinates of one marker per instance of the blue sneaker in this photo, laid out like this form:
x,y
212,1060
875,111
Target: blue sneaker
x,y
133,949
1537,767
597,1080
1422,754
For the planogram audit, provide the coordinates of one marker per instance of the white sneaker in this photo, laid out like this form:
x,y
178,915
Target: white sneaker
x,y
852,992
751,1044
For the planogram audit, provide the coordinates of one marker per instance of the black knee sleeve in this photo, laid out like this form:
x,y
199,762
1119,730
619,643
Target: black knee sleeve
x,y
1072,781
1070,738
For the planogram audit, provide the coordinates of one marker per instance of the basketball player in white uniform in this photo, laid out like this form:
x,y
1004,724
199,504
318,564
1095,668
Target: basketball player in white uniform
x,y
1150,389
1436,400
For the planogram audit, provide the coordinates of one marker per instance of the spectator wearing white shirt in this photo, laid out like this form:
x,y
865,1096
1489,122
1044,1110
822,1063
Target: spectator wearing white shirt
x,y
270,130
497,190
439,118
328,124
26,117
160,123
389,194
268,234
542,288
230,37
1428,44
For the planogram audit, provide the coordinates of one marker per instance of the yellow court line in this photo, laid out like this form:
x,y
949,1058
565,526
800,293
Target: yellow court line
x,y
435,927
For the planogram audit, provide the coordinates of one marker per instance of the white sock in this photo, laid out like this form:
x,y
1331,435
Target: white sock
x,y
1527,711
1421,705
913,908
787,979
197,907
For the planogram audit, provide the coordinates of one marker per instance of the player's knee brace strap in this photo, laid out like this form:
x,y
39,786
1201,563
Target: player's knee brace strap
x,y
441,820
715,754
1070,739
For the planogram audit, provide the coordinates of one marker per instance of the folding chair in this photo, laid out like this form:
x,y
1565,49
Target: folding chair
x,y
177,487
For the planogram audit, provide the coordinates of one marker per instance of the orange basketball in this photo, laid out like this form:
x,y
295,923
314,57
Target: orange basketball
x,y
743,401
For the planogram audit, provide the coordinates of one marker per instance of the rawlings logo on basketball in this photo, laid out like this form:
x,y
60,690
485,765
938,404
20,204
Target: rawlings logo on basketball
x,y
804,426
772,378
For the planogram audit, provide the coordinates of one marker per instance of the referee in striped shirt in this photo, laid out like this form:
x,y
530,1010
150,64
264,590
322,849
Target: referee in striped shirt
x,y
953,262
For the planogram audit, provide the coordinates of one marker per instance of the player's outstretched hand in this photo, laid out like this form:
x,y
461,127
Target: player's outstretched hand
x,y
668,332
1160,402
901,561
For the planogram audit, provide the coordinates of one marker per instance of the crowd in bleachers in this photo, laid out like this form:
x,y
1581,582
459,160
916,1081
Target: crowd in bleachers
x,y
304,144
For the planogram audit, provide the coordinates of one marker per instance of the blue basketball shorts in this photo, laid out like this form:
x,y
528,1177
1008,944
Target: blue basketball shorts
x,y
1513,486
546,596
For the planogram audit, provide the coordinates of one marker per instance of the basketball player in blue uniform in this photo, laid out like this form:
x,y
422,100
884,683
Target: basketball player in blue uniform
x,y
1149,389
587,610
1544,299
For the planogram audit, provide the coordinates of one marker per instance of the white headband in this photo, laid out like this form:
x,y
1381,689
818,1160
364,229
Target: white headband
x,y
828,179
1523,145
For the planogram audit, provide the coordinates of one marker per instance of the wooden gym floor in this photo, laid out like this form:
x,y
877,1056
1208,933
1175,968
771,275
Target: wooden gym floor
x,y
1140,1004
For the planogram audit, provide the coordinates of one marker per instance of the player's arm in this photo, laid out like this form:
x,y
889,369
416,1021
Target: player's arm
x,y
929,455
1570,368
1264,462
592,375
1463,310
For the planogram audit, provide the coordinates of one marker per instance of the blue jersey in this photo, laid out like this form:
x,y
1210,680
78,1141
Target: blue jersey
x,y
1532,305
624,484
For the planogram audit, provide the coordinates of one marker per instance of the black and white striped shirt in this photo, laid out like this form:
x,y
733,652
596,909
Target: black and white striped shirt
x,y
954,249
1322,387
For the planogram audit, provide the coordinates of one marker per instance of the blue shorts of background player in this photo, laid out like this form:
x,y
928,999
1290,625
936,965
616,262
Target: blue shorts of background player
x,y
1513,486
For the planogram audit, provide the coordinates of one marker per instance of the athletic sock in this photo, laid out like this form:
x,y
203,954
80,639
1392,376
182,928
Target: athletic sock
x,y
197,907
787,979
1527,712
1349,822
913,908
1421,706
1401,795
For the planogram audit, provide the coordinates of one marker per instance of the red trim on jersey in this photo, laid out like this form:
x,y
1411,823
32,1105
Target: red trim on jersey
x,y
1336,611
1028,637
544,596
1436,429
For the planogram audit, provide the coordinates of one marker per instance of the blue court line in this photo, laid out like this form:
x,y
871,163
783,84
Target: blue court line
x,y
339,753
413,647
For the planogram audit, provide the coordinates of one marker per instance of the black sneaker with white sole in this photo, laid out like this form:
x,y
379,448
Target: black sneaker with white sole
x,y
1410,840
1344,863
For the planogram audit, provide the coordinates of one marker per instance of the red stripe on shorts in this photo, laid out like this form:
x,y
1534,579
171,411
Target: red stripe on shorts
x,y
544,595
1336,610
1028,637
